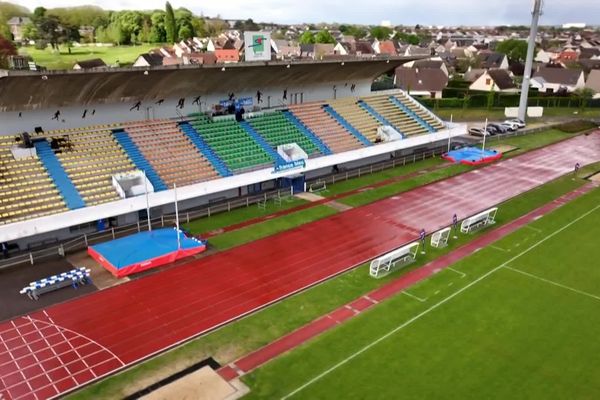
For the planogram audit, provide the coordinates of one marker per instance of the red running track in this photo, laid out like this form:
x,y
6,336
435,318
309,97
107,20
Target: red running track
x,y
50,352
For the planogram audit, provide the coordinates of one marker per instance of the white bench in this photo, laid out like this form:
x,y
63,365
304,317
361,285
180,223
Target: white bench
x,y
480,220
440,238
317,186
74,278
398,258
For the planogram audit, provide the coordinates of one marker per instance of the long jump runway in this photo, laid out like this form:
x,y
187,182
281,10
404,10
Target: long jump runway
x,y
50,352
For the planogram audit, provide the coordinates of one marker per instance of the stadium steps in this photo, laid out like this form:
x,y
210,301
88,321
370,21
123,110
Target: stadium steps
x,y
138,159
277,130
230,142
59,176
382,120
204,148
424,113
347,125
262,142
308,133
337,138
413,114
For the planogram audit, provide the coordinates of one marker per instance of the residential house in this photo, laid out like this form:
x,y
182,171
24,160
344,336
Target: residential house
x,y
149,60
86,32
495,80
491,60
94,63
386,47
362,48
433,64
593,82
285,48
589,65
227,55
545,56
342,48
554,80
473,74
322,50
16,25
567,56
427,82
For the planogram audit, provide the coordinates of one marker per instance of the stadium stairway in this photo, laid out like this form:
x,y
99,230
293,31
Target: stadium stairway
x,y
414,115
308,133
204,148
262,142
138,159
59,176
421,111
347,125
382,120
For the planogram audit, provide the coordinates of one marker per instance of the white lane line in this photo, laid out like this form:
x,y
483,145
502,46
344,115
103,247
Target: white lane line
x,y
413,296
532,228
560,285
499,248
462,274
433,307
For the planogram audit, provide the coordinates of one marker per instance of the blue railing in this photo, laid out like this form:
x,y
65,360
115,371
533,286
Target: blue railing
x,y
382,120
59,176
412,114
262,142
347,125
204,148
308,133
139,160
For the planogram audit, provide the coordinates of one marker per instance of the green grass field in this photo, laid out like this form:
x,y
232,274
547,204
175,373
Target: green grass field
x,y
63,60
256,330
479,114
515,320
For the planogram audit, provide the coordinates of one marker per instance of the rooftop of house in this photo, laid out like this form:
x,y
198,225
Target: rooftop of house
x,y
421,79
93,63
562,76
502,79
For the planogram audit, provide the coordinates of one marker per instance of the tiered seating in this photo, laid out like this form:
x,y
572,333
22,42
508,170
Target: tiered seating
x,y
397,117
335,136
231,142
91,158
277,130
436,124
356,116
26,190
170,152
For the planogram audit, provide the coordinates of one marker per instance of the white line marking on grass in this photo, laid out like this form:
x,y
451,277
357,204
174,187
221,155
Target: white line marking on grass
x,y
433,307
539,278
499,248
462,274
413,296
532,228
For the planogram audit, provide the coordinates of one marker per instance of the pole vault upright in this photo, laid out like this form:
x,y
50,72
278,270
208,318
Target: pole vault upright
x,y
535,17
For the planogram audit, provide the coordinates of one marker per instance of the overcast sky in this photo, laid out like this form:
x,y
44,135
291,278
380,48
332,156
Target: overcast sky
x,y
407,12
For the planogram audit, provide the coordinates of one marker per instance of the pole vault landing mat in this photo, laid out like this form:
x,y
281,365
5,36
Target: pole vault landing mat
x,y
144,250
472,156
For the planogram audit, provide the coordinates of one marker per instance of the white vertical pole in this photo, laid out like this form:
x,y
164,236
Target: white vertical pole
x,y
449,130
147,201
177,216
485,133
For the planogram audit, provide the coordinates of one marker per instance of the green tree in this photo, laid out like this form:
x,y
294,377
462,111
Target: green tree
x,y
158,33
39,12
199,27
515,49
381,32
307,37
584,95
7,49
170,24
472,62
30,32
407,38
353,30
324,36
185,32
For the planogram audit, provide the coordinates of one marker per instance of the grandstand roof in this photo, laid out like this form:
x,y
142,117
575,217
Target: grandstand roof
x,y
26,90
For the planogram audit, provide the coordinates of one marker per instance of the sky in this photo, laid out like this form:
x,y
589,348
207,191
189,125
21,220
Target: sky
x,y
371,12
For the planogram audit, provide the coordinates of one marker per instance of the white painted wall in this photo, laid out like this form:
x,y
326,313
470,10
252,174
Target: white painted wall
x,y
485,83
71,117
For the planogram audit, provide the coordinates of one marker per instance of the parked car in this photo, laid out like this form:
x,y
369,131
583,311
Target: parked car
x,y
478,132
510,126
520,123
493,130
499,128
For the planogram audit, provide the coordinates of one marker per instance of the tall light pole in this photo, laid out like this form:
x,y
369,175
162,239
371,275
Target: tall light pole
x,y
535,17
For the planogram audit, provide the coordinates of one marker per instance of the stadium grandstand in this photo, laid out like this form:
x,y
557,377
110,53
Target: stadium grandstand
x,y
69,137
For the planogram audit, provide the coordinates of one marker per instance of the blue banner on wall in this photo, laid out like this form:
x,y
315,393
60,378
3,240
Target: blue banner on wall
x,y
290,165
241,102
